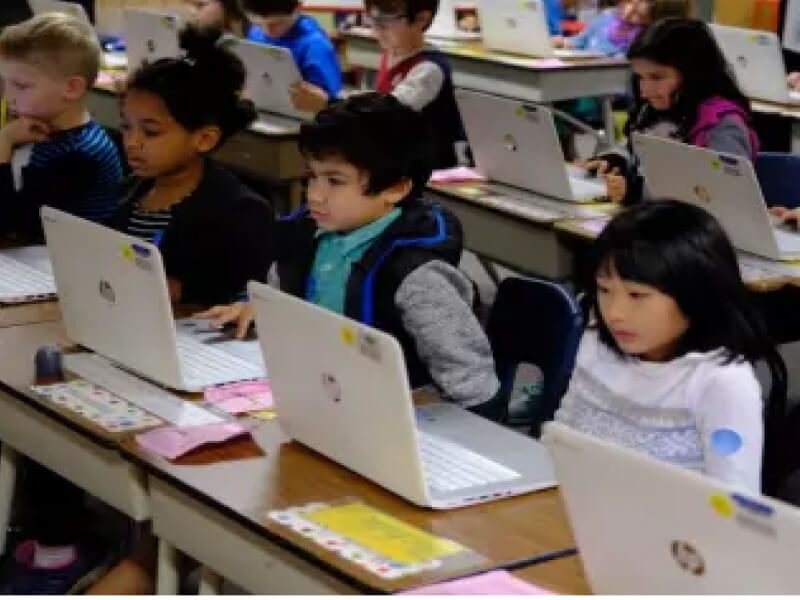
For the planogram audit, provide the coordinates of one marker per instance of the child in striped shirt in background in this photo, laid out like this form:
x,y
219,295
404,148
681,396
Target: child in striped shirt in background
x,y
52,151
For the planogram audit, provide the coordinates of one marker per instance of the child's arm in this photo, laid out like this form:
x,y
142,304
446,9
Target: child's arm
x,y
321,68
18,132
435,304
730,420
421,86
731,137
64,185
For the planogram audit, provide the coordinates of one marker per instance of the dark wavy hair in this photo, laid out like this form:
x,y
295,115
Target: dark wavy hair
x,y
688,46
202,88
376,133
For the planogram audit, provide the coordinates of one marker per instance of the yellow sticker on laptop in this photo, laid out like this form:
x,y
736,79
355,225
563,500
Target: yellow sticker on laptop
x,y
128,253
349,335
383,534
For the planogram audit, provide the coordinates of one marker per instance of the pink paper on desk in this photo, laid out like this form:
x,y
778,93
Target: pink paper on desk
x,y
174,442
493,583
239,398
456,175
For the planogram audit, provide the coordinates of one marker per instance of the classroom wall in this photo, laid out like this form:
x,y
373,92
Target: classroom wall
x,y
756,14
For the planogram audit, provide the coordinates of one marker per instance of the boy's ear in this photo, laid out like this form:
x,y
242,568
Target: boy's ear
x,y
76,88
424,19
397,192
207,138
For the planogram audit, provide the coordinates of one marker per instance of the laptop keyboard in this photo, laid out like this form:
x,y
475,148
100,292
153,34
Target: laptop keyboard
x,y
204,365
18,281
450,467
787,242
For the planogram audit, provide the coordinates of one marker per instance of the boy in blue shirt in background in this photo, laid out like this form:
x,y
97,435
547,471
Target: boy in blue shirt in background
x,y
279,23
555,14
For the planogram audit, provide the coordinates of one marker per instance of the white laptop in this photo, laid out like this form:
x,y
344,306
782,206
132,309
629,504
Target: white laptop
x,y
648,527
150,35
517,144
114,300
520,27
724,185
111,60
271,71
757,62
58,6
341,388
26,275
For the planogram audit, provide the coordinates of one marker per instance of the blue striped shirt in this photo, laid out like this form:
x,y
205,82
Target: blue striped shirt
x,y
92,146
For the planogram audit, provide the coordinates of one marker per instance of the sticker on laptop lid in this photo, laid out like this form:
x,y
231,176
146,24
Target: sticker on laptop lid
x,y
369,345
271,51
127,252
722,505
169,22
349,335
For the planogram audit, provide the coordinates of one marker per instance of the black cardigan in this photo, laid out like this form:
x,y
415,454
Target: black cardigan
x,y
219,238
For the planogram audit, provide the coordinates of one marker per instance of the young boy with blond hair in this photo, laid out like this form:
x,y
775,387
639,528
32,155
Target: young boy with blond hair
x,y
51,151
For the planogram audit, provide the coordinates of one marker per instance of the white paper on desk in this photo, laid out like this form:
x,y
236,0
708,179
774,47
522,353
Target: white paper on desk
x,y
145,395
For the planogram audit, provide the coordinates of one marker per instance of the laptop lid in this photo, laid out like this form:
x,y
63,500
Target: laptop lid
x,y
70,8
517,27
113,295
271,71
757,61
341,388
517,146
648,527
150,35
724,185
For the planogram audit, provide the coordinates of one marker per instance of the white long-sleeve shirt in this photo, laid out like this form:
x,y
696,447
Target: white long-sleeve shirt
x,y
694,411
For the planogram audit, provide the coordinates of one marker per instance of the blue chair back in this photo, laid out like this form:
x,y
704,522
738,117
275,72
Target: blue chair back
x,y
535,322
779,176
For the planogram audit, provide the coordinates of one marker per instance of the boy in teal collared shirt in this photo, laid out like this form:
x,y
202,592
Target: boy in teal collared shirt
x,y
370,247
336,255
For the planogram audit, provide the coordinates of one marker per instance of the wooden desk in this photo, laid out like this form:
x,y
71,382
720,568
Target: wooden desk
x,y
76,449
563,576
528,79
509,227
216,513
267,150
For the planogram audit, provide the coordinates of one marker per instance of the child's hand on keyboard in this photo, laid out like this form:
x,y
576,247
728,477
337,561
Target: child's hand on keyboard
x,y
241,314
787,216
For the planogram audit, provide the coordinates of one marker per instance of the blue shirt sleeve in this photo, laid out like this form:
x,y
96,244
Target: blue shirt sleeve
x,y
555,14
320,66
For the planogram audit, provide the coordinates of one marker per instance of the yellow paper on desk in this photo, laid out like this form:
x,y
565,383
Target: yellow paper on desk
x,y
383,534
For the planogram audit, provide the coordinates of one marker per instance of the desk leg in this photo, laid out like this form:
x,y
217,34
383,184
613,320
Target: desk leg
x,y
167,575
8,480
609,122
210,583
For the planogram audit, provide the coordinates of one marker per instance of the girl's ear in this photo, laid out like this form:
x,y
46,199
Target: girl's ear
x,y
207,138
